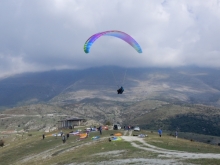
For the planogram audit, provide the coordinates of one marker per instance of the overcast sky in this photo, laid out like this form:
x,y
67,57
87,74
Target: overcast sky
x,y
39,35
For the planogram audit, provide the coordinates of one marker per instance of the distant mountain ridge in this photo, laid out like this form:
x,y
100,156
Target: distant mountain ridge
x,y
191,85
183,99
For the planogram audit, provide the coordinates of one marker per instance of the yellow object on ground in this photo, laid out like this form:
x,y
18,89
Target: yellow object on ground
x,y
117,134
82,135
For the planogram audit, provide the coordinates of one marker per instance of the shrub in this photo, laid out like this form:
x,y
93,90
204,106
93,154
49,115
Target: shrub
x,y
29,134
108,123
2,143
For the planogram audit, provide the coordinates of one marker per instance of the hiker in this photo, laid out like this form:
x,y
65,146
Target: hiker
x,y
43,136
100,130
160,132
129,128
87,133
176,134
61,132
64,138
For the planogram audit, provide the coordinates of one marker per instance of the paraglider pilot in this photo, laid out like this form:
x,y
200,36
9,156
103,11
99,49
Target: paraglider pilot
x,y
120,90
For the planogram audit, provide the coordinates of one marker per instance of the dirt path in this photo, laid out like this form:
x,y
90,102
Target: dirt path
x,y
128,132
125,132
168,153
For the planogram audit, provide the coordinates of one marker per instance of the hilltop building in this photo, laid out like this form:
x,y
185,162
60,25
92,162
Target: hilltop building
x,y
70,122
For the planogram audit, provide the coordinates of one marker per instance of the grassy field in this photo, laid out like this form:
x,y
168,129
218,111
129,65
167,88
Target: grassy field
x,y
171,143
32,149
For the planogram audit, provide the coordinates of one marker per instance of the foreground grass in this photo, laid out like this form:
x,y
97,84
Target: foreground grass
x,y
171,143
33,150
90,153
22,148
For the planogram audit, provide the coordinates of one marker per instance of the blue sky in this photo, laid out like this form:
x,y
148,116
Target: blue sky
x,y
40,35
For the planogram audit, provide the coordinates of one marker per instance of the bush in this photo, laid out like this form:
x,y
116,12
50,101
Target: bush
x,y
2,143
108,123
29,134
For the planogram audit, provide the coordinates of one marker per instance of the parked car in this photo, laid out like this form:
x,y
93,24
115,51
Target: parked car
x,y
91,129
137,128
105,127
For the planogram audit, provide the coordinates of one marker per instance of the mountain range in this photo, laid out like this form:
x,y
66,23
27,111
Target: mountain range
x,y
184,99
191,85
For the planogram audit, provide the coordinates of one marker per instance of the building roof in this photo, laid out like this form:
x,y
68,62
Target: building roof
x,y
72,119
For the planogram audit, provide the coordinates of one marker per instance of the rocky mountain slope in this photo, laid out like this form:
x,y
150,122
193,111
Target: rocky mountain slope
x,y
186,99
192,85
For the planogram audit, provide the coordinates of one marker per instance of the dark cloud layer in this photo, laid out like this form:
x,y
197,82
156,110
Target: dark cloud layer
x,y
42,35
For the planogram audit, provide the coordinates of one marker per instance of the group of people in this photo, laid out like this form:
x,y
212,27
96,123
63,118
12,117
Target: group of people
x,y
160,133
127,127
99,129
63,136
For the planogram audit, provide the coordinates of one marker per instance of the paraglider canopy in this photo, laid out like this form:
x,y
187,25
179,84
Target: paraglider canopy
x,y
127,38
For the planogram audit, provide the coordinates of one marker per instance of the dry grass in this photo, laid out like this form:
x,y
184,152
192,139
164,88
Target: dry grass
x,y
32,149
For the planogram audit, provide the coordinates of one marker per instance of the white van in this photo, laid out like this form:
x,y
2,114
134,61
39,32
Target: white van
x,y
116,126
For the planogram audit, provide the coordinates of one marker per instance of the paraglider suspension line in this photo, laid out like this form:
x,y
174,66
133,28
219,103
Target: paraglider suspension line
x,y
115,79
122,80
124,77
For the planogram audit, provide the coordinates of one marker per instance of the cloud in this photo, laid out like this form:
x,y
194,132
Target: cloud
x,y
44,35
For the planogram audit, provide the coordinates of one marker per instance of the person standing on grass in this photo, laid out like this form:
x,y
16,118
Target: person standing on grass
x,y
61,133
87,132
176,134
43,136
160,132
64,138
100,130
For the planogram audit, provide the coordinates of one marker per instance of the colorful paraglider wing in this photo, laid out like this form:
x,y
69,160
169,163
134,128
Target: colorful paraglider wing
x,y
83,135
115,138
95,137
114,33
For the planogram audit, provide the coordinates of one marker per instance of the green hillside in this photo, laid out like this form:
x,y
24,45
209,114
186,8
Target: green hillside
x,y
148,114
